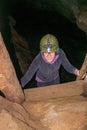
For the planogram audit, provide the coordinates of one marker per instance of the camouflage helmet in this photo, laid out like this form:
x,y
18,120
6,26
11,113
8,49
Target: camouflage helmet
x,y
49,43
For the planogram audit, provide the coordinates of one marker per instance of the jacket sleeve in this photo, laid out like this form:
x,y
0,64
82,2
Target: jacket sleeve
x,y
30,72
67,65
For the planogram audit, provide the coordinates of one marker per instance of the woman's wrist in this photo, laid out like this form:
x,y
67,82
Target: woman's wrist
x,y
77,73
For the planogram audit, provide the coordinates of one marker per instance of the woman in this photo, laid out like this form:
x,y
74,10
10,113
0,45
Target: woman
x,y
47,63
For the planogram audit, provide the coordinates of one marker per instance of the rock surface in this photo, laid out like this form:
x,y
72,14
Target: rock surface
x,y
58,107
68,113
58,113
14,116
9,83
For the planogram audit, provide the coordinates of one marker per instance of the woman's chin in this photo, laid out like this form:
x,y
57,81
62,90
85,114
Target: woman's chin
x,y
50,60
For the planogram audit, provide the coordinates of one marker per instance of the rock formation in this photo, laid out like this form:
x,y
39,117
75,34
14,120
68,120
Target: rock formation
x,y
9,84
64,107
61,108
56,107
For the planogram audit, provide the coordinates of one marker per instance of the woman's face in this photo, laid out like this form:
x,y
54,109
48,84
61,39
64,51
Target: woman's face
x,y
49,56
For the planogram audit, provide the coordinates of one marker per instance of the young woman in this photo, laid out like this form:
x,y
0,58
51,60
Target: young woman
x,y
47,63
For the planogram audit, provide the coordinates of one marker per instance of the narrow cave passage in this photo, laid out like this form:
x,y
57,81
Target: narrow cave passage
x,y
33,24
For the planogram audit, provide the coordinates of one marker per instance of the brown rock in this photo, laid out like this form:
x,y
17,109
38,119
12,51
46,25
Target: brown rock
x,y
9,84
67,113
58,107
54,91
14,116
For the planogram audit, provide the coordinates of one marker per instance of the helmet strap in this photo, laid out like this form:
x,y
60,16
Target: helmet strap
x,y
57,50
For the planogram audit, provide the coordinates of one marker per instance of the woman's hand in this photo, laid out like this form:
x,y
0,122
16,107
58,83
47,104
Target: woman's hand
x,y
77,73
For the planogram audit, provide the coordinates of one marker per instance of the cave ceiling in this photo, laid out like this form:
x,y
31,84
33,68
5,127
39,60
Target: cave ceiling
x,y
74,10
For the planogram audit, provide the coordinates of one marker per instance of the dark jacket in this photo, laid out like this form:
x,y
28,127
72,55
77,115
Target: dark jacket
x,y
47,72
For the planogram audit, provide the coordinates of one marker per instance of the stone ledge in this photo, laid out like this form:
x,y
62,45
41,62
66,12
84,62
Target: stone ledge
x,y
54,91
